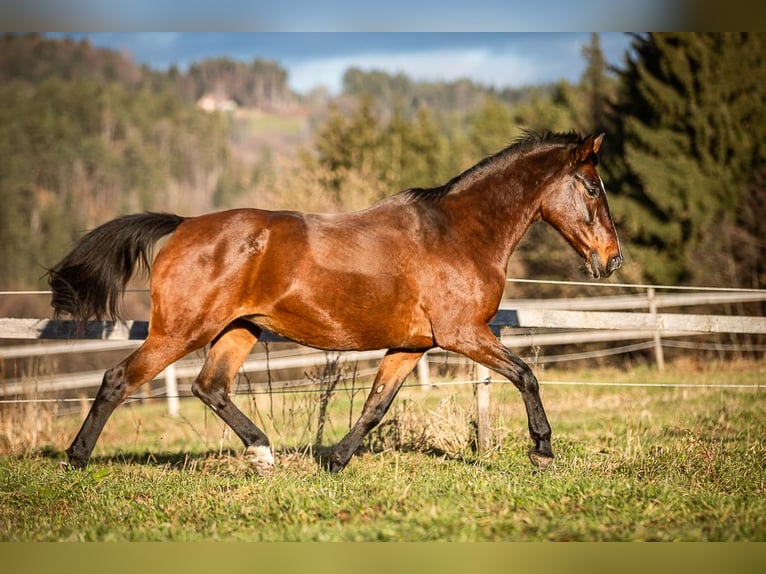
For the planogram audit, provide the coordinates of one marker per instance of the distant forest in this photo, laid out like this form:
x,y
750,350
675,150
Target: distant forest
x,y
87,134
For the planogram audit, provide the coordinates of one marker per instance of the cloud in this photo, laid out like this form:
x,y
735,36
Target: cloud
x,y
313,59
481,65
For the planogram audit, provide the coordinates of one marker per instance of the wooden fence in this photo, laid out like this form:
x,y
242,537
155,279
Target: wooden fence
x,y
573,321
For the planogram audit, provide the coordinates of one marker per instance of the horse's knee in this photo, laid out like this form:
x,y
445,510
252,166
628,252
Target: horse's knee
x,y
114,385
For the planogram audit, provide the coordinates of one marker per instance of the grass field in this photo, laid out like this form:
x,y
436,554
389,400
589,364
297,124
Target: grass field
x,y
633,463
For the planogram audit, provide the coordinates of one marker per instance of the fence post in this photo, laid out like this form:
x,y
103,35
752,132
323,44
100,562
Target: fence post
x,y
481,392
171,389
659,355
424,375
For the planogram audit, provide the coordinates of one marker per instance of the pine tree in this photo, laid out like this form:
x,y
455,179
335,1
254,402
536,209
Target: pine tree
x,y
690,131
491,127
597,84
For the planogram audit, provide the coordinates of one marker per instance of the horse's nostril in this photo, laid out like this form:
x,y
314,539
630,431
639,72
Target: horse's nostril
x,y
614,263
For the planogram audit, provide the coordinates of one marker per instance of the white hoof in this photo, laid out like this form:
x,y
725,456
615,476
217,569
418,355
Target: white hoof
x,y
260,459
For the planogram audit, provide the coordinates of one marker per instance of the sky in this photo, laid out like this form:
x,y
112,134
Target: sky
x,y
343,15
312,59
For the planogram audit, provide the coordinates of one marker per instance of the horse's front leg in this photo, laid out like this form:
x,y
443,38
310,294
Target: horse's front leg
x,y
393,370
482,346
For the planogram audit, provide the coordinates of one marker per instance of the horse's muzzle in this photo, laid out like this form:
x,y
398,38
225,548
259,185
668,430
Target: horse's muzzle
x,y
612,265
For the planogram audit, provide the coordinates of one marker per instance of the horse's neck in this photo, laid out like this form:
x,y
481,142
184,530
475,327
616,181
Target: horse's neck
x,y
498,208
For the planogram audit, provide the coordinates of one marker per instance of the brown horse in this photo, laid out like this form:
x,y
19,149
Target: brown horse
x,y
423,268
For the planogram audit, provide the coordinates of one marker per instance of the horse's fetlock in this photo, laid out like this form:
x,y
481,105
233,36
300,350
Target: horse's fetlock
x,y
527,382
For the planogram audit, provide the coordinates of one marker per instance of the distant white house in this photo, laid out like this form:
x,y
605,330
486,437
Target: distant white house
x,y
212,102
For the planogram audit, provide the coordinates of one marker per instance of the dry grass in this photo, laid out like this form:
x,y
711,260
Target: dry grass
x,y
415,426
28,426
631,463
439,419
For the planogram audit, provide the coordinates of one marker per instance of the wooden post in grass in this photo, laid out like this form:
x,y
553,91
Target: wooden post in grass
x,y
424,376
659,355
481,392
171,389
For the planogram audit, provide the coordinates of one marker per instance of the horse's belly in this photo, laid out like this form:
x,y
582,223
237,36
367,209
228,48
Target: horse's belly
x,y
343,329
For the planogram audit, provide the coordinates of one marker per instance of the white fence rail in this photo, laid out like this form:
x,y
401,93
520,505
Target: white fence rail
x,y
585,320
573,321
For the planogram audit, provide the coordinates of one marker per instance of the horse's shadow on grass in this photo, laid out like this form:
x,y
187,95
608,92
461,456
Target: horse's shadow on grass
x,y
176,459
191,460
173,459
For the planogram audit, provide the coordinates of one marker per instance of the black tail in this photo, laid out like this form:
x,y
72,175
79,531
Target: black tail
x,y
89,282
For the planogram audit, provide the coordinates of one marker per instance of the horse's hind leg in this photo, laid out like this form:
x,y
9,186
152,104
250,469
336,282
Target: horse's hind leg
x,y
392,372
227,352
118,384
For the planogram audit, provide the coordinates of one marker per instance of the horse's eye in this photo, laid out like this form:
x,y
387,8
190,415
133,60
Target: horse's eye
x,y
592,190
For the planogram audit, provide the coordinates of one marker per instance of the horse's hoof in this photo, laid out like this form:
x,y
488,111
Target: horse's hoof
x,y
540,459
73,464
260,460
334,465
75,461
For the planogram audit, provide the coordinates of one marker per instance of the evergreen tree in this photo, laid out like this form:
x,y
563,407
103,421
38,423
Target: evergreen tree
x,y
491,127
691,129
75,153
391,155
417,150
262,83
556,109
596,84
349,144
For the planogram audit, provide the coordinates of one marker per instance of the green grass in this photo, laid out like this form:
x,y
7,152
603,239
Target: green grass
x,y
632,464
257,122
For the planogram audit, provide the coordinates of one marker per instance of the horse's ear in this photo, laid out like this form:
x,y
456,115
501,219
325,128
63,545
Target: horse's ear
x,y
597,142
588,147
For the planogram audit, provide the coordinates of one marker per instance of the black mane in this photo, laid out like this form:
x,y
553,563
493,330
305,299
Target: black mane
x,y
527,141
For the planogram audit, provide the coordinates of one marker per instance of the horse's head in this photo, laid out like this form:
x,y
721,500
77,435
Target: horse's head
x,y
576,206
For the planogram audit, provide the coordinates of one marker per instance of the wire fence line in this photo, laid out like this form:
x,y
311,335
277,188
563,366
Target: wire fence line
x,y
309,385
659,337
300,389
304,358
697,346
